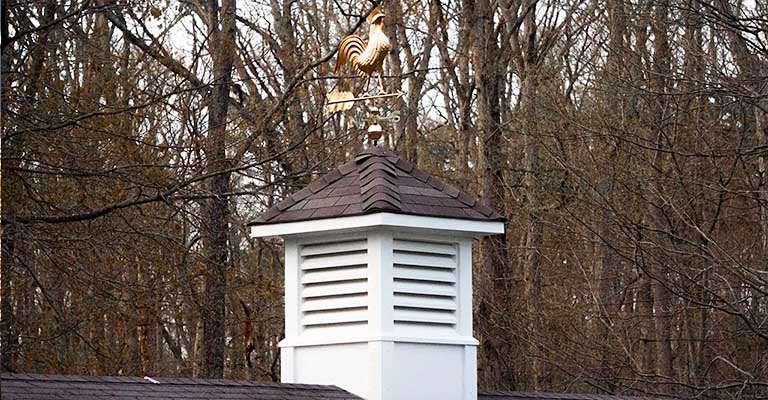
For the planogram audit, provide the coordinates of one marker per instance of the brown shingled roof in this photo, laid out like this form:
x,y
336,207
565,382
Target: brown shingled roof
x,y
63,387
377,181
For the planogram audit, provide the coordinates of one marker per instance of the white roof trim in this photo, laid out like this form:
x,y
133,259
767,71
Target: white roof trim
x,y
321,341
448,225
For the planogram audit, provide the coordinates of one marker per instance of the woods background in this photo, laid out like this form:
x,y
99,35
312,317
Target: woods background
x,y
626,141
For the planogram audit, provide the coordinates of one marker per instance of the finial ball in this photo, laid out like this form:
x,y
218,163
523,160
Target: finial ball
x,y
374,132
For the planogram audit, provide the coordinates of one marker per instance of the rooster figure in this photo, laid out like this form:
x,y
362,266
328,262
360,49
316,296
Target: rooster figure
x,y
363,58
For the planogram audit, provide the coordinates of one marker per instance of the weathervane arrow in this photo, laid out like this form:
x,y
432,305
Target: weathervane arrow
x,y
370,97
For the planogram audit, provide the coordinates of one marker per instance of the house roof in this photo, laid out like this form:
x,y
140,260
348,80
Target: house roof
x,y
63,387
70,387
491,395
376,181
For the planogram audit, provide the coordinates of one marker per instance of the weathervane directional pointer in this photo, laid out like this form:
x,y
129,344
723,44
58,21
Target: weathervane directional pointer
x,y
368,97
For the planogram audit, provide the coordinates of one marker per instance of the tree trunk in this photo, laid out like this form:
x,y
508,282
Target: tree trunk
x,y
488,72
647,353
528,65
607,271
221,47
535,231
661,296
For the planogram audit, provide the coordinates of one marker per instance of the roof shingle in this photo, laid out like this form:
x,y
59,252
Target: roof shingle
x,y
65,387
377,181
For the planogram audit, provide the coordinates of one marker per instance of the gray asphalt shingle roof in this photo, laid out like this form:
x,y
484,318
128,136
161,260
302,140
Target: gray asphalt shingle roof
x,y
377,181
70,387
66,387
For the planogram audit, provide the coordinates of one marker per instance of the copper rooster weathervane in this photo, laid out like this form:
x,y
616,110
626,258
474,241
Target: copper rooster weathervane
x,y
363,59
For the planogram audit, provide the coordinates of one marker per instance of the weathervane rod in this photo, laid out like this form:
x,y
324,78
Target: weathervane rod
x,y
376,96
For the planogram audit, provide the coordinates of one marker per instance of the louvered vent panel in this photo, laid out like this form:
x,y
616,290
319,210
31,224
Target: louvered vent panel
x,y
334,283
425,286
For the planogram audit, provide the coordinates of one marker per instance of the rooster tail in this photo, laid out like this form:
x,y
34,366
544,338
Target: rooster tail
x,y
338,107
350,49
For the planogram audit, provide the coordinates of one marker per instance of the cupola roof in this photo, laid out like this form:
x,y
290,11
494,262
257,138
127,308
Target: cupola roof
x,y
377,181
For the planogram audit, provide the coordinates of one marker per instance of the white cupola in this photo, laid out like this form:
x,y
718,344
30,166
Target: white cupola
x,y
378,281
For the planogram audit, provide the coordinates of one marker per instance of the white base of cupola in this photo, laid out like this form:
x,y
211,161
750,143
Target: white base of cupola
x,y
383,312
386,369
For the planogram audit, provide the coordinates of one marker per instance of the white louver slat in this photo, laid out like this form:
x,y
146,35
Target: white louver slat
x,y
425,283
334,283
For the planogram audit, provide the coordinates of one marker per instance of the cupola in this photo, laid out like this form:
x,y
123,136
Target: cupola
x,y
378,280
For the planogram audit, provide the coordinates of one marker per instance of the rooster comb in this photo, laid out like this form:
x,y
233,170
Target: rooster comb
x,y
375,14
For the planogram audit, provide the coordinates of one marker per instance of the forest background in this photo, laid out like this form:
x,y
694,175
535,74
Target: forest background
x,y
625,141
